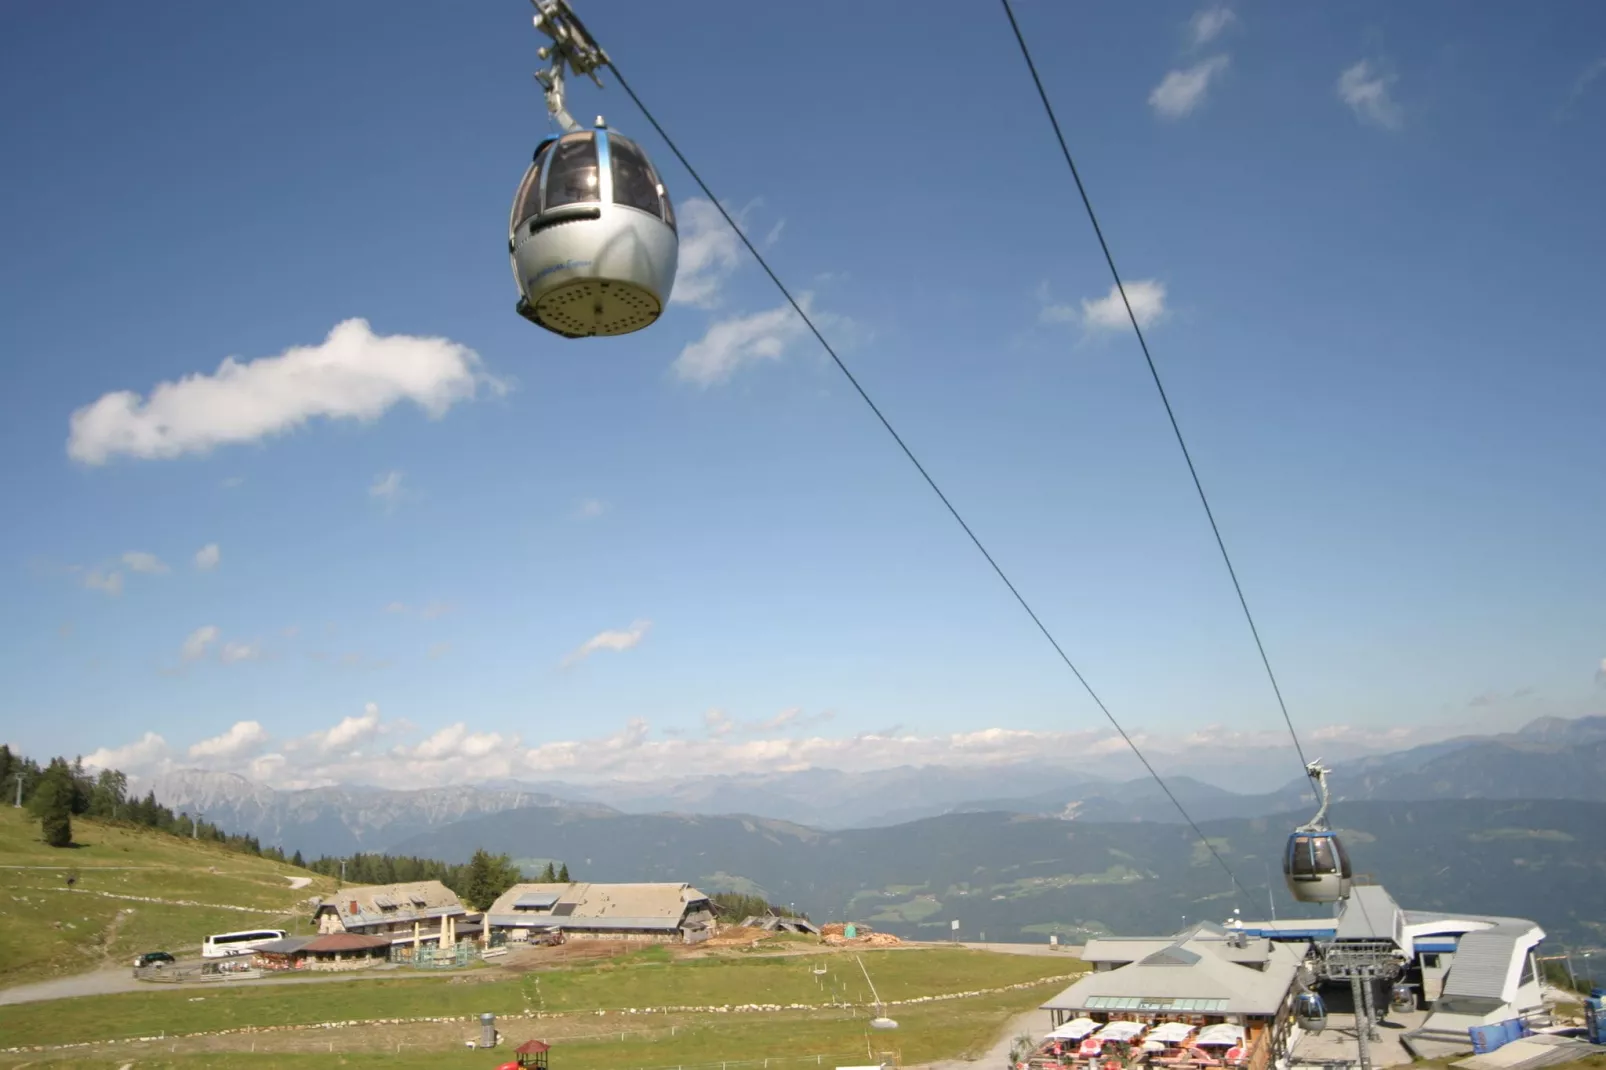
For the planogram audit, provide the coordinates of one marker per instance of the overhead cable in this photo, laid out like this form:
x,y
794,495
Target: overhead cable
x,y
1159,386
924,474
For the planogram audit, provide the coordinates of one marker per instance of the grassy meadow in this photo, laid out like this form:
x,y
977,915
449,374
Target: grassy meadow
x,y
48,929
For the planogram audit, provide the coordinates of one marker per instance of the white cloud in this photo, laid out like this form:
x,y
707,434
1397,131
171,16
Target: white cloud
x,y
731,343
208,556
1600,673
110,582
352,374
234,651
710,253
386,487
239,741
775,233
590,508
350,733
231,482
1180,91
140,561
609,640
1207,24
1108,313
1366,91
454,741
439,650
198,642
458,753
146,754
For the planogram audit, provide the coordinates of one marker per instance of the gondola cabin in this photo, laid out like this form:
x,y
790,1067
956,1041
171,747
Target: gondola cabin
x,y
1317,867
1310,1012
592,236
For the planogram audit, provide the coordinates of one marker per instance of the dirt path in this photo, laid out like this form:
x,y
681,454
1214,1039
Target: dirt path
x,y
996,1057
113,980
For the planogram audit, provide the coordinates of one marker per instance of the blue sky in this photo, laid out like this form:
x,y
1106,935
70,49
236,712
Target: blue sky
x,y
1370,238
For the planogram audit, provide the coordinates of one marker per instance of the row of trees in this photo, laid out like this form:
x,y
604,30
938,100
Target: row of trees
x,y
62,790
477,882
735,906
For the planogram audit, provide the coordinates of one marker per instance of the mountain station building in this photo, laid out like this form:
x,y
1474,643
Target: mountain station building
x,y
412,913
655,912
1466,970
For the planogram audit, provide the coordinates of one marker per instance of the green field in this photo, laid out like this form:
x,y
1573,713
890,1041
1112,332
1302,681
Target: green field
x,y
48,929
644,980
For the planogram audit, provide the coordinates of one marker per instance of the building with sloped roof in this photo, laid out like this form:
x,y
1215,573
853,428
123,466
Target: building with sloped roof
x,y
406,913
661,912
330,951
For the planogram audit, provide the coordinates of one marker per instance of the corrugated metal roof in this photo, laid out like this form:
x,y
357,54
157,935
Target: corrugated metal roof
x,y
1483,961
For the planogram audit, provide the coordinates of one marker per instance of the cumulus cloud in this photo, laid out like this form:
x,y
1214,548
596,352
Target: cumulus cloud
x,y
1207,24
352,374
1183,90
1366,90
147,754
208,556
140,561
710,253
242,739
454,741
732,343
1108,313
350,733
609,640
198,642
348,752
109,582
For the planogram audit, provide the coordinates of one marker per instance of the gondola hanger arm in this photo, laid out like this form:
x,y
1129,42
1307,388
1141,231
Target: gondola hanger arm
x,y
572,49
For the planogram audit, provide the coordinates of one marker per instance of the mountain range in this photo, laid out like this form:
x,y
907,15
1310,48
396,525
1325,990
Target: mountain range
x,y
1021,877
1551,758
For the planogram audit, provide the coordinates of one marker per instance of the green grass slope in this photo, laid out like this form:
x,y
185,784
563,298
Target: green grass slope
x,y
107,916
643,980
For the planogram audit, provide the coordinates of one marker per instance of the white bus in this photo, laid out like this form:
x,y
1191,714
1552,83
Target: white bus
x,y
223,945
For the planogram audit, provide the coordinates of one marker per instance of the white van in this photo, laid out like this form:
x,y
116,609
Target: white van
x,y
223,945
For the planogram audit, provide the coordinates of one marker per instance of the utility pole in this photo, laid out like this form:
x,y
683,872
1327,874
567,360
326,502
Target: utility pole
x,y
195,826
342,872
18,776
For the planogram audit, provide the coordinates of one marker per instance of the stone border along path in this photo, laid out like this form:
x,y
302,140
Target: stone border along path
x,y
743,1008
152,899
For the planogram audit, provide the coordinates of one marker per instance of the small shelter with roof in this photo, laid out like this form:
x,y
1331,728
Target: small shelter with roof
x,y
328,951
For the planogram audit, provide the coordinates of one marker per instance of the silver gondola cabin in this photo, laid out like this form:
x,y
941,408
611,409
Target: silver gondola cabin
x,y
592,236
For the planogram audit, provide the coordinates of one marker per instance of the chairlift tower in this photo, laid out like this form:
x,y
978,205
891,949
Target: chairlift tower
x,y
1362,963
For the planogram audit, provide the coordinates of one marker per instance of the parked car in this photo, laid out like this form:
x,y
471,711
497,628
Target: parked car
x,y
153,959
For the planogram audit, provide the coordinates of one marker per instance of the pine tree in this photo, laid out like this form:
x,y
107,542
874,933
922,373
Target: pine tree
x,y
548,875
297,861
563,874
52,804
